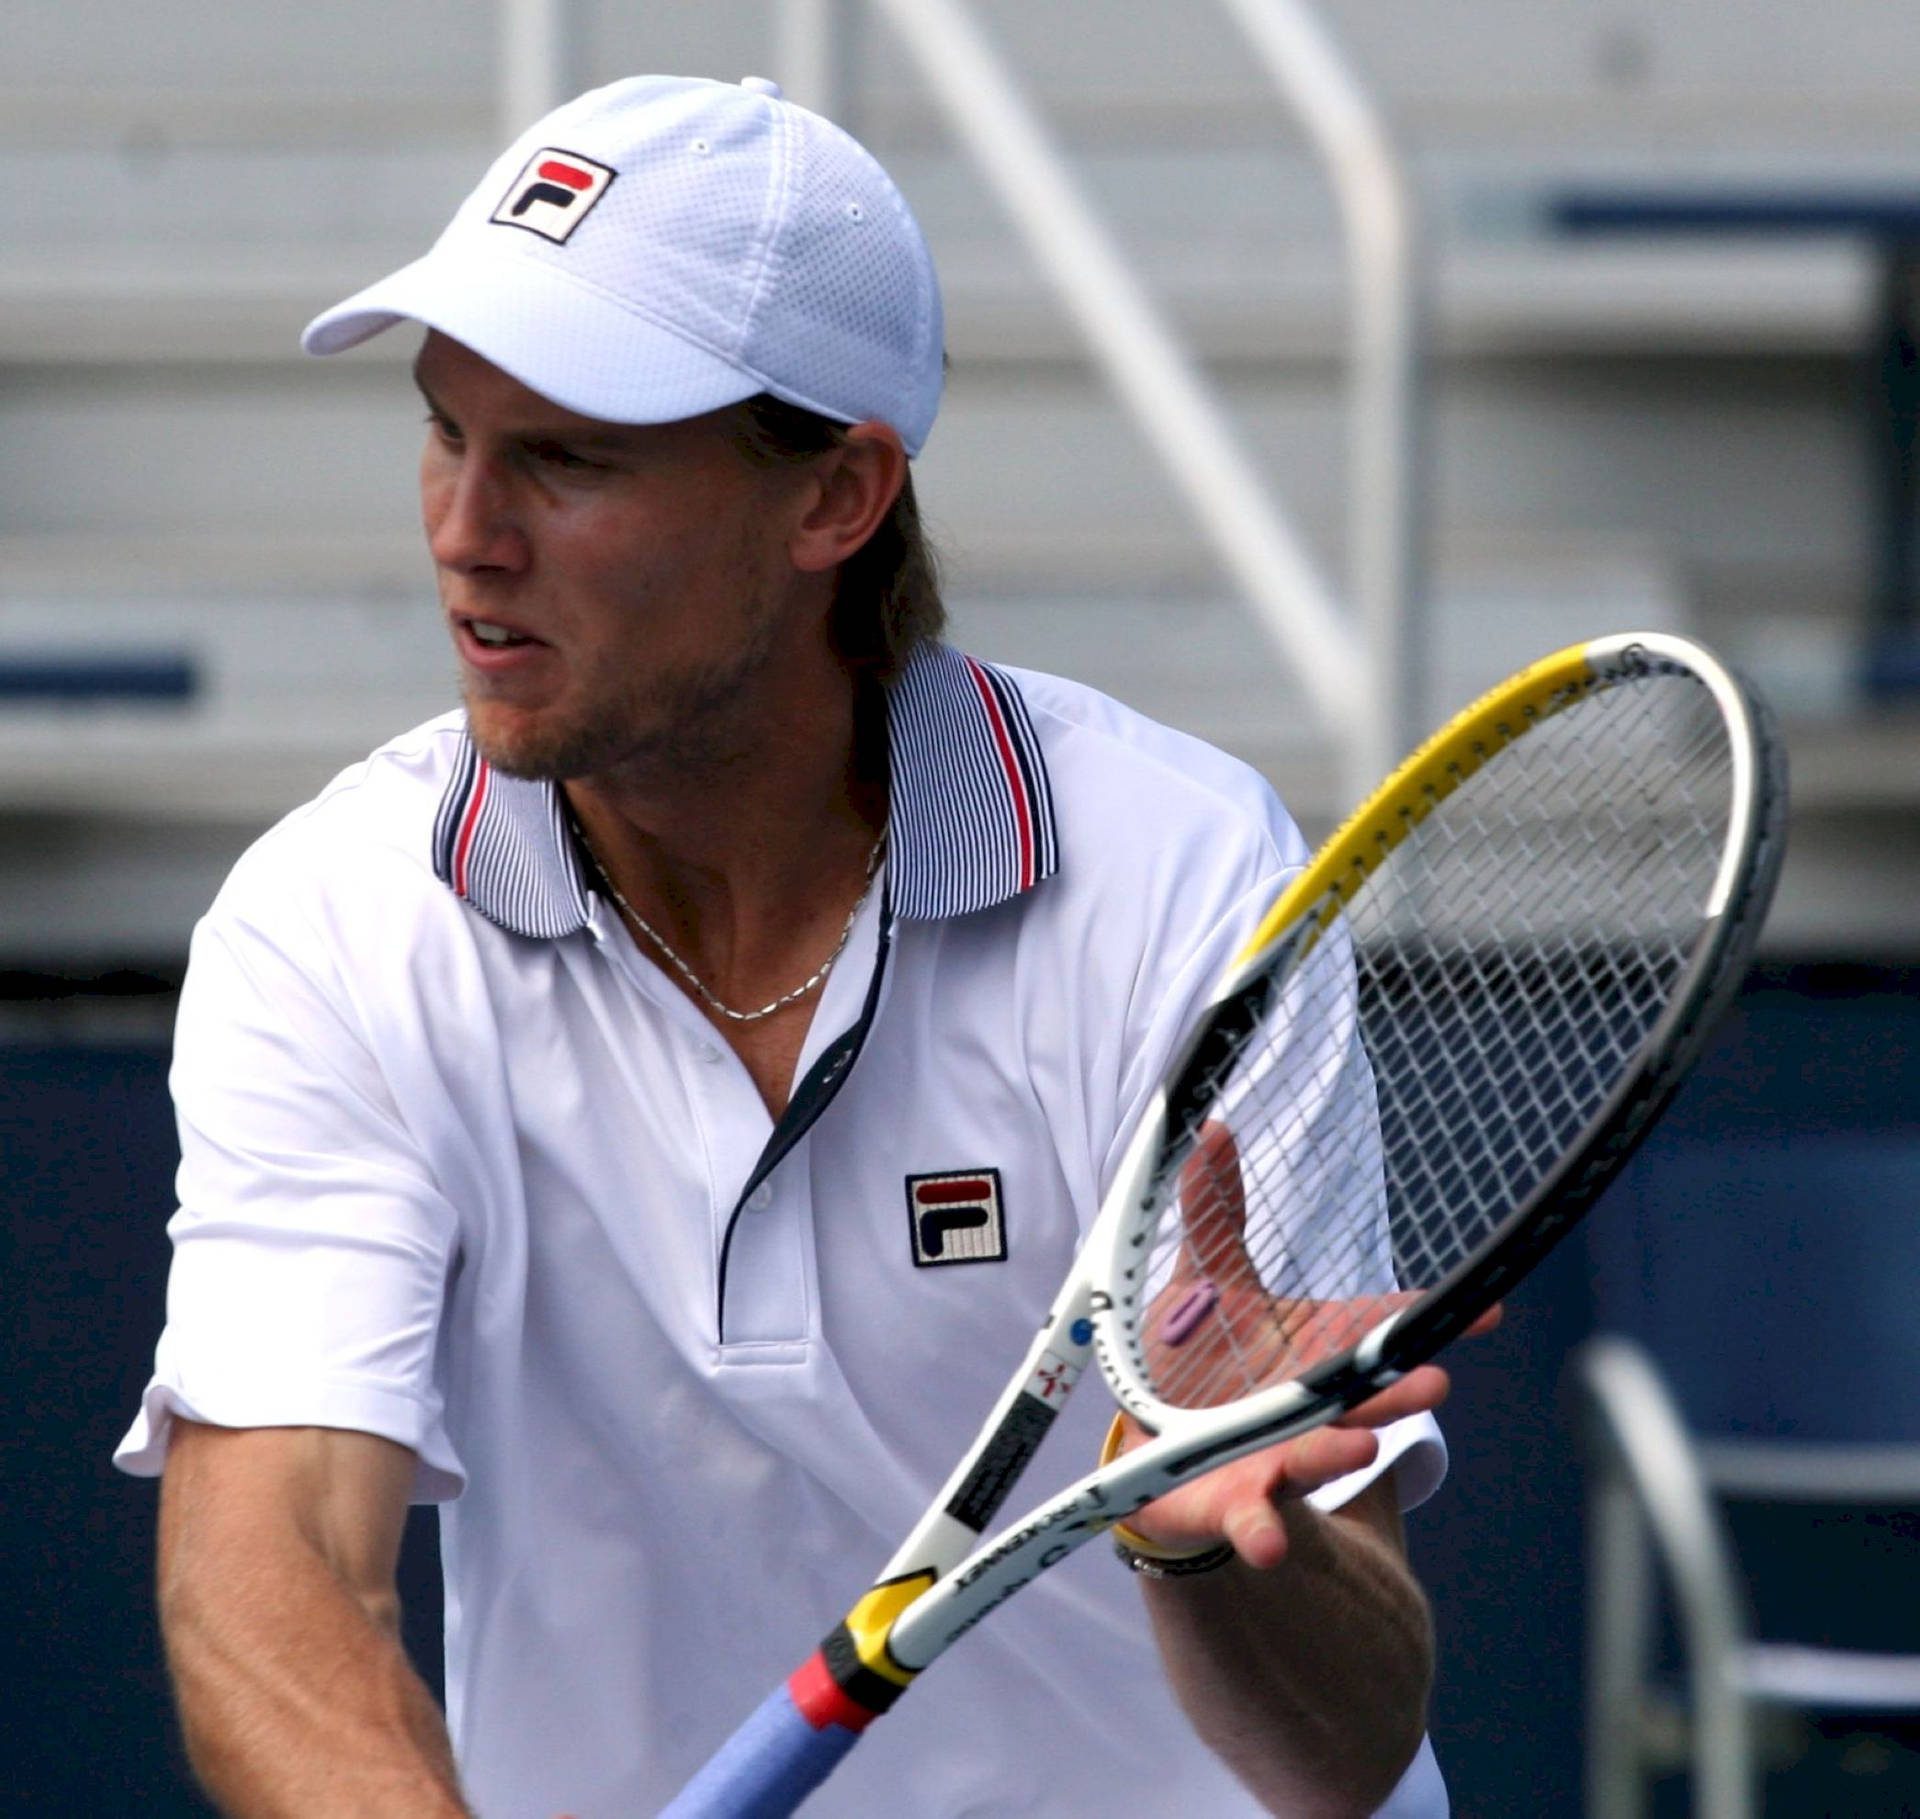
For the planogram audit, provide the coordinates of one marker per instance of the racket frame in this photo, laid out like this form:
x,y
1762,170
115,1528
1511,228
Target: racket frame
x,y
949,1579
1751,849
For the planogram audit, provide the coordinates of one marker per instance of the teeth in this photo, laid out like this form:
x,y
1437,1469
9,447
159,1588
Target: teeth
x,y
494,634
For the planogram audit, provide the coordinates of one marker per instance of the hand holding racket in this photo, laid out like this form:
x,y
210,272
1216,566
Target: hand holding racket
x,y
1215,1298
1518,945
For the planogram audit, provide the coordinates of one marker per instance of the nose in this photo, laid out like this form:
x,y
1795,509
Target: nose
x,y
466,503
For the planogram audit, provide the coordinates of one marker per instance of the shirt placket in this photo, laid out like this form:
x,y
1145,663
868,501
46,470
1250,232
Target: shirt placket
x,y
759,1187
768,1308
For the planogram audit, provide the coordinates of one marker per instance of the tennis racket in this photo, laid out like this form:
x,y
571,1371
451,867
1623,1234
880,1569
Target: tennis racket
x,y
1517,946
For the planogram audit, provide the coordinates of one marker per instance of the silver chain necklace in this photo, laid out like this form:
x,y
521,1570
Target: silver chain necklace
x,y
693,979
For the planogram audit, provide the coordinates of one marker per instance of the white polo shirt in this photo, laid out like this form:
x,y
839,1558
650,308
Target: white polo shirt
x,y
461,1166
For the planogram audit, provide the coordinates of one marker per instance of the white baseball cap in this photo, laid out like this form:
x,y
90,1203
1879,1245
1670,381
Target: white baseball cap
x,y
665,246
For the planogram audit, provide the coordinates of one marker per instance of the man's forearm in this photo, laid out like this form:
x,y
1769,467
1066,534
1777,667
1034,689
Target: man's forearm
x,y
296,1700
1309,1680
277,1556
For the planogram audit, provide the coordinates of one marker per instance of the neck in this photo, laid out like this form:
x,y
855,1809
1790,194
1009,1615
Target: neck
x,y
747,866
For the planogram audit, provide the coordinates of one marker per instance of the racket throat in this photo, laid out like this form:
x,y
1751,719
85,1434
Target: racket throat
x,y
834,1686
853,1676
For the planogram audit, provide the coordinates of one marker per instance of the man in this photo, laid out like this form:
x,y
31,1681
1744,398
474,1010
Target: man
x,y
551,1087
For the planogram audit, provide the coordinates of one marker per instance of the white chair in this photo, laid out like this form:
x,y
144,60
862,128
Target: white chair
x,y
1654,1499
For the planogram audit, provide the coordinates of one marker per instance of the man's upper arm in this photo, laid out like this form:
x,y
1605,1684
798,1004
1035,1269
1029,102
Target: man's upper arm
x,y
235,1499
314,1241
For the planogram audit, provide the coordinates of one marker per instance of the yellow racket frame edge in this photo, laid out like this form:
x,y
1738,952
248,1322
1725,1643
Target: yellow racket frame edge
x,y
1432,773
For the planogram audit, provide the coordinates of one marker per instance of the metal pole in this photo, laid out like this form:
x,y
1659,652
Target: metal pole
x,y
1619,1606
1643,1428
808,54
1142,361
534,75
1385,281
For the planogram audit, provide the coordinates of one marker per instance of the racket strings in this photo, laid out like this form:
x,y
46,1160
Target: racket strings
x,y
1462,1020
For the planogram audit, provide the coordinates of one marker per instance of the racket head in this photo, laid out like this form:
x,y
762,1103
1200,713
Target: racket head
x,y
1448,1034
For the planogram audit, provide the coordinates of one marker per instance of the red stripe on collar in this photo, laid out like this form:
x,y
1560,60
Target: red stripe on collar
x,y
1010,765
469,822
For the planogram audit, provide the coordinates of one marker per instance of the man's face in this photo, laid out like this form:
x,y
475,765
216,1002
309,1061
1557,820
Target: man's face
x,y
620,596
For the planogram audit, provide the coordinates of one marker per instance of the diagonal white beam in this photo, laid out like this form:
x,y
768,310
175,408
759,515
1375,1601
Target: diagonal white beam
x,y
1141,358
1386,296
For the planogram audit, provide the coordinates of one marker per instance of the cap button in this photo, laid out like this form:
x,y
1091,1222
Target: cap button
x,y
762,85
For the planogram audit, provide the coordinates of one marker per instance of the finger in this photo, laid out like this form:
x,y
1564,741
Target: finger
x,y
1258,1534
1237,1502
1318,1458
1421,1390
1213,1201
1252,1520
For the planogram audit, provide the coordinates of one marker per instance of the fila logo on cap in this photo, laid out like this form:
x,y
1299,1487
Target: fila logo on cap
x,y
956,1217
553,194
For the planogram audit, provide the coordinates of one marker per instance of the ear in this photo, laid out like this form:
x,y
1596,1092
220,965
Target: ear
x,y
857,483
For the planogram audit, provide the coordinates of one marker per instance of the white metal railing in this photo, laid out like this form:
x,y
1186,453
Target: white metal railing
x,y
1654,1485
1143,361
1354,666
1654,1501
1360,682
808,53
535,39
1386,291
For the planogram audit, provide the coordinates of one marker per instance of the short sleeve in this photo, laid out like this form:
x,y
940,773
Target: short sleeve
x,y
1413,1449
312,1248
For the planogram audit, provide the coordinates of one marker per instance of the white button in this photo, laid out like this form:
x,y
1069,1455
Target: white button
x,y
761,85
710,1052
761,1198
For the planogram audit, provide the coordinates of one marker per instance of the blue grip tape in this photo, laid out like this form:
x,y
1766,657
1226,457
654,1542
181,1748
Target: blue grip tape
x,y
766,1768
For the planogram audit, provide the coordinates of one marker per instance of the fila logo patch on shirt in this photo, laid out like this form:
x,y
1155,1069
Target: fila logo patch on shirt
x,y
956,1217
553,194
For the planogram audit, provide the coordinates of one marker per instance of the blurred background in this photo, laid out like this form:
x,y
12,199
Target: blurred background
x,y
1660,277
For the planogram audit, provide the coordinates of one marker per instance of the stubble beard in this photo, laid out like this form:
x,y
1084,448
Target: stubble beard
x,y
645,728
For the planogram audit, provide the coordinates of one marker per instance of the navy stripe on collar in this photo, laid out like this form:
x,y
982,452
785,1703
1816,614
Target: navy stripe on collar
x,y
972,811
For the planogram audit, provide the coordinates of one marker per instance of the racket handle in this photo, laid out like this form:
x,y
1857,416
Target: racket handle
x,y
766,1768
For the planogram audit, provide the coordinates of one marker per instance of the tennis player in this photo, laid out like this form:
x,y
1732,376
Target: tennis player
x,y
647,1112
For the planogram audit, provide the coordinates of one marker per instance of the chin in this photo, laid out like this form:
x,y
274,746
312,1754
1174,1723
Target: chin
x,y
526,745
664,733
556,751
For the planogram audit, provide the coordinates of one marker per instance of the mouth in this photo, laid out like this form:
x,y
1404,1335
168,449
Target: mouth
x,y
490,635
493,647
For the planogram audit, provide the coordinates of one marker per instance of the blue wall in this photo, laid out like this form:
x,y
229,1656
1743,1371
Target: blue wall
x,y
1706,1248
87,1156
1762,1243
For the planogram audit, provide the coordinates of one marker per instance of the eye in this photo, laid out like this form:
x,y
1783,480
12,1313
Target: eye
x,y
558,454
443,427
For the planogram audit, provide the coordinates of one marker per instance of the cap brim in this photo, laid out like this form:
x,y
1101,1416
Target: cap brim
x,y
564,340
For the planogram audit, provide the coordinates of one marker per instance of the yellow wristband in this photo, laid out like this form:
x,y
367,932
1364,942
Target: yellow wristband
x,y
1131,1539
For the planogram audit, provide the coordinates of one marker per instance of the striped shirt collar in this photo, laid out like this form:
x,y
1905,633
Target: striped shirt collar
x,y
972,811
